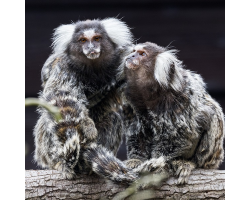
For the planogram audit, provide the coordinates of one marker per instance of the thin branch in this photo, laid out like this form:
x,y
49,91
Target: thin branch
x,y
38,102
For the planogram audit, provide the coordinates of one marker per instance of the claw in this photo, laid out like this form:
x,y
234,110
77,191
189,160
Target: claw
x,y
178,171
183,176
185,172
180,180
186,179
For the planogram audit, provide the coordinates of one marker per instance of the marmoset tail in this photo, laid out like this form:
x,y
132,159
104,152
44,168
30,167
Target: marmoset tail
x,y
105,164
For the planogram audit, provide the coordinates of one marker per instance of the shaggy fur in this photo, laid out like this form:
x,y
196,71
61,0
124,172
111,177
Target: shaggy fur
x,y
172,122
81,78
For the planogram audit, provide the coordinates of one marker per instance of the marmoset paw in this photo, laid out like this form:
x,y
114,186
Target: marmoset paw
x,y
132,163
183,171
69,175
71,151
90,131
67,172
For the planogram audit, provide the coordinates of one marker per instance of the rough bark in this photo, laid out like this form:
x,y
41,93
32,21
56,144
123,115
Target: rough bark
x,y
49,184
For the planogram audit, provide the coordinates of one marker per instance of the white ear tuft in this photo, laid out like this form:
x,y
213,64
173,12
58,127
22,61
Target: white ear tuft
x,y
118,31
62,37
162,66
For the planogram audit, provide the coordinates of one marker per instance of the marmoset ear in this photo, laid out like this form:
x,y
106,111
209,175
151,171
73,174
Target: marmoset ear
x,y
118,31
167,68
62,37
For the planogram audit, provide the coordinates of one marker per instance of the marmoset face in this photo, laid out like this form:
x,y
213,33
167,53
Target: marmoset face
x,y
143,56
90,40
137,57
90,43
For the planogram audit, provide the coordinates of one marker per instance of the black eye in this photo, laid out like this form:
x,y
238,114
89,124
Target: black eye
x,y
82,40
97,38
142,53
133,50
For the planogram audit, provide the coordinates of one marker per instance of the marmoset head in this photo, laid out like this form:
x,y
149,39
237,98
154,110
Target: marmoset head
x,y
150,63
88,40
91,39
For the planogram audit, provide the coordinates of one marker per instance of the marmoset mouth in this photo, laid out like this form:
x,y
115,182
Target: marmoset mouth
x,y
93,55
131,64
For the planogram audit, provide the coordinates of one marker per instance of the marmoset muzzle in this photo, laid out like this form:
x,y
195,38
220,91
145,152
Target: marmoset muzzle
x,y
92,53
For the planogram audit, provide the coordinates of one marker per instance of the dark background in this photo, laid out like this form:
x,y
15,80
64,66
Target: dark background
x,y
196,28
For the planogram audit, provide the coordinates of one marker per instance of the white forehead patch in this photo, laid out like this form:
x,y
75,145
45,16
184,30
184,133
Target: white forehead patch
x,y
139,47
89,33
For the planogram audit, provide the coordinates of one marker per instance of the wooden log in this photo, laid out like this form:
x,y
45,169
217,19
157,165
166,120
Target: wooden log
x,y
49,184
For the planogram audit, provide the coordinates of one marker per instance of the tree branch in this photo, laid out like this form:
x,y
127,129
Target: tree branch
x,y
49,184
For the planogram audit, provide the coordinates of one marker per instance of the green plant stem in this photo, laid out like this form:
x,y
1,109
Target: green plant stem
x,y
38,102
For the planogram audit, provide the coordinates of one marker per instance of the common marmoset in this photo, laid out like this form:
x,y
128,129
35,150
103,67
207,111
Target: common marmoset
x,y
81,78
174,124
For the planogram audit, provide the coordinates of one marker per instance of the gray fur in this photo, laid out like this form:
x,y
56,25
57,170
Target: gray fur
x,y
172,122
87,91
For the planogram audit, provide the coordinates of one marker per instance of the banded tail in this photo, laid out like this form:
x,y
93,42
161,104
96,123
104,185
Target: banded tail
x,y
105,164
